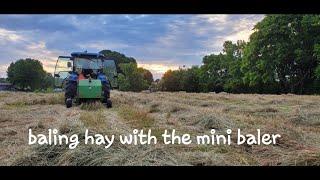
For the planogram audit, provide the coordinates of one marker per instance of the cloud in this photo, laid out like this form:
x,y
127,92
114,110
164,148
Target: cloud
x,y
9,36
158,68
134,17
216,22
243,28
3,70
101,45
40,51
220,28
20,45
151,39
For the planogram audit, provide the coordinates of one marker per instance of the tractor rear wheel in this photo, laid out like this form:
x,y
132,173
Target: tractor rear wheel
x,y
108,103
106,90
70,92
106,94
69,103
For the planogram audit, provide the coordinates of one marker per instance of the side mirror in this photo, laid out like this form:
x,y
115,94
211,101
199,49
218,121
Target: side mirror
x,y
69,65
56,75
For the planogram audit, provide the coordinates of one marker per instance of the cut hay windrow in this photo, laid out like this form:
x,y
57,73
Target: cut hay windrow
x,y
295,117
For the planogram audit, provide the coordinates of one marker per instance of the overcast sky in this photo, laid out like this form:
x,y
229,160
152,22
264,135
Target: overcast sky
x,y
158,42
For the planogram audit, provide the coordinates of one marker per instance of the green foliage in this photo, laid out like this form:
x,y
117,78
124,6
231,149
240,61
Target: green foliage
x,y
190,80
132,78
282,53
47,81
3,80
317,72
213,73
181,80
218,73
110,70
147,75
317,51
171,80
282,56
118,57
29,74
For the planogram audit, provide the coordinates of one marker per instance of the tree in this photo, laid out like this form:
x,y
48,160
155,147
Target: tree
x,y
234,56
213,73
280,56
131,78
26,74
190,81
147,75
118,58
47,81
3,80
172,80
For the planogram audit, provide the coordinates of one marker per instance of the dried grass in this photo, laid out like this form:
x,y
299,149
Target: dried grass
x,y
92,106
296,118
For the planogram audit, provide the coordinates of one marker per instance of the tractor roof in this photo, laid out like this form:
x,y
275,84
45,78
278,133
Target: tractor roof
x,y
87,55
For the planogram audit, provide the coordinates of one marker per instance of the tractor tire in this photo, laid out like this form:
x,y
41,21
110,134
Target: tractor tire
x,y
106,93
70,92
109,103
69,103
106,90
71,89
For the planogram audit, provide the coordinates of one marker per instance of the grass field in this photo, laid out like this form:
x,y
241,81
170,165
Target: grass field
x,y
296,118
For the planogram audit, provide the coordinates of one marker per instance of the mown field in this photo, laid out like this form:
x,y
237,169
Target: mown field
x,y
296,118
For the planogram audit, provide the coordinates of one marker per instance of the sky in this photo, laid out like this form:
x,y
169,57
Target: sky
x,y
157,42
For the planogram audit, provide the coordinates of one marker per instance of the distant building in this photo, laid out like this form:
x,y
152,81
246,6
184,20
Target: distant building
x,y
6,86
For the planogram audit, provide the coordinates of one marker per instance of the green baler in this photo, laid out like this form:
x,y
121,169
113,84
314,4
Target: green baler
x,y
90,89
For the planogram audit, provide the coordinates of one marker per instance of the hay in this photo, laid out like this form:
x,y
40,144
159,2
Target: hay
x,y
36,99
154,108
306,118
301,158
214,122
136,117
268,110
93,155
295,117
92,106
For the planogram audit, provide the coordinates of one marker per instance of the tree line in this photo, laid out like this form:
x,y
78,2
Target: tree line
x,y
29,75
282,56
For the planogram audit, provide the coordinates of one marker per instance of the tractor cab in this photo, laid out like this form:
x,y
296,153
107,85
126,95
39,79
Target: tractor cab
x,y
85,77
86,65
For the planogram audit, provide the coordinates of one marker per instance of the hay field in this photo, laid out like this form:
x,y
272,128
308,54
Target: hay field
x,y
296,118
